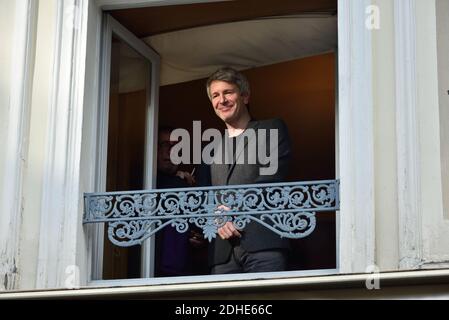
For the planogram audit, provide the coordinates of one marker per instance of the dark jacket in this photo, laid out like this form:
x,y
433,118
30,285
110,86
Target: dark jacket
x,y
255,237
172,247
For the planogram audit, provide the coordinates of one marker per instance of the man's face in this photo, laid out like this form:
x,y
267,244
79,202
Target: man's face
x,y
228,103
164,163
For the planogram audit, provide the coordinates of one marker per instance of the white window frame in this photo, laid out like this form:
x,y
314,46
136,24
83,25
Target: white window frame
x,y
110,27
355,160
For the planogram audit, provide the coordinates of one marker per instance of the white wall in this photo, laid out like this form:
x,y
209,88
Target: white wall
x,y
16,78
7,14
443,89
6,32
62,202
33,176
435,235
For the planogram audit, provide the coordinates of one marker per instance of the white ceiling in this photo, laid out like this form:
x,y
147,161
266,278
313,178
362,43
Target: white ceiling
x,y
195,53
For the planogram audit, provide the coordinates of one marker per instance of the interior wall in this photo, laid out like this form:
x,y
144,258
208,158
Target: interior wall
x,y
125,171
302,93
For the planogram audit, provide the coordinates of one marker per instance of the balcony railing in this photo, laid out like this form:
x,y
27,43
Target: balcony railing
x,y
287,209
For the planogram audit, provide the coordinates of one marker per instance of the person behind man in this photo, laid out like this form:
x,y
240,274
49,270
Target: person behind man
x,y
254,249
172,248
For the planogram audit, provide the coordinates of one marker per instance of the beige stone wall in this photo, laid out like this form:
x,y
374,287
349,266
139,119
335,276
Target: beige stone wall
x,y
33,176
27,127
431,112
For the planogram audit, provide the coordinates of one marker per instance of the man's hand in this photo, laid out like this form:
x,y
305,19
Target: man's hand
x,y
196,239
189,178
228,231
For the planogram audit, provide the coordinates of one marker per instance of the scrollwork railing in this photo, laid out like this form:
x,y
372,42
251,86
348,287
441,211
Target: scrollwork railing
x,y
287,209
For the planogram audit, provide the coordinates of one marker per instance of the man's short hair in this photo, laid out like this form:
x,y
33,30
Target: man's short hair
x,y
230,75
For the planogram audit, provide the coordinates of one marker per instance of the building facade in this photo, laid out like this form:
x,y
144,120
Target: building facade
x,y
391,155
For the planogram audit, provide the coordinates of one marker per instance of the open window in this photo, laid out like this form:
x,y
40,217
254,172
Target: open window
x,y
288,52
129,103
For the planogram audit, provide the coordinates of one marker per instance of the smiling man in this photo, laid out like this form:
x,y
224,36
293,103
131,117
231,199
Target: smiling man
x,y
230,100
255,248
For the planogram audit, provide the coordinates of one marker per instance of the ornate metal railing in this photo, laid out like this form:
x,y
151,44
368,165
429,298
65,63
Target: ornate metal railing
x,y
287,209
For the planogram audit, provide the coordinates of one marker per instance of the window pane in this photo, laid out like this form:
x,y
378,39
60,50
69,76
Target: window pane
x,y
129,85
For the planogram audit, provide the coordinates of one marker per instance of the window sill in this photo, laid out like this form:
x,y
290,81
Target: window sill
x,y
405,284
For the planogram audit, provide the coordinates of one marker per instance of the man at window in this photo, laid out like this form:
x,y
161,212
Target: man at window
x,y
255,248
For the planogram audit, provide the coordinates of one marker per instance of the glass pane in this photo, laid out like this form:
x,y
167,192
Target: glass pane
x,y
128,101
